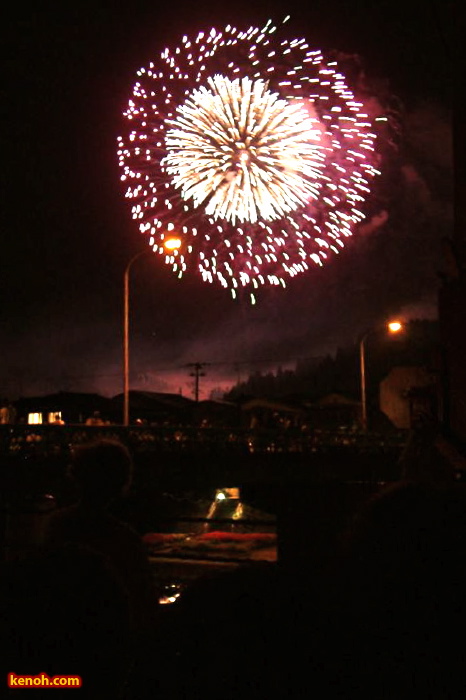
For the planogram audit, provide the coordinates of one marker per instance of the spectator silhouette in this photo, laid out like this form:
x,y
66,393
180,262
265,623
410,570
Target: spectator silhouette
x,y
398,611
64,612
102,471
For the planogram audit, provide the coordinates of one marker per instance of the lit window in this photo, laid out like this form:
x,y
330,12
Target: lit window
x,y
34,418
54,417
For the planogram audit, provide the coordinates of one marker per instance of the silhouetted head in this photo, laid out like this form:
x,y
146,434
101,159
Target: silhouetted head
x,y
102,470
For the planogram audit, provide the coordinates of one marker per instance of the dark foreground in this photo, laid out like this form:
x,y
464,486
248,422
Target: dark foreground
x,y
365,598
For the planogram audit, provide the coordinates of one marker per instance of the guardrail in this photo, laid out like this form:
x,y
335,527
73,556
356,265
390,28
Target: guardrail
x,y
54,439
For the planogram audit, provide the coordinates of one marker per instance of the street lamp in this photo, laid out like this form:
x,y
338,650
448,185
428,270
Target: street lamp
x,y
392,327
126,334
171,244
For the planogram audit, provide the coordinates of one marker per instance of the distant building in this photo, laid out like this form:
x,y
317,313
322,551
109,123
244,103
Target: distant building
x,y
271,413
215,414
330,412
334,411
92,409
155,408
406,394
69,407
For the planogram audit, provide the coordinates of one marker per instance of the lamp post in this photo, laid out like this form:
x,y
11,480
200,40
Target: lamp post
x,y
392,327
171,244
126,334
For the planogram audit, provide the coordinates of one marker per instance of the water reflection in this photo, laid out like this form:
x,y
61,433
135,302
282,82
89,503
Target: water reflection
x,y
226,505
170,593
224,533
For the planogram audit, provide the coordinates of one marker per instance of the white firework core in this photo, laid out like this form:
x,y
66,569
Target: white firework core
x,y
243,152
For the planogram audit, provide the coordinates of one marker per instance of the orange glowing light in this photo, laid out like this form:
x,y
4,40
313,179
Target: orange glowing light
x,y
395,327
172,243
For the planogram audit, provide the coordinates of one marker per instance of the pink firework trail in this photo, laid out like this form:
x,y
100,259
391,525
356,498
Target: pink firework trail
x,y
246,157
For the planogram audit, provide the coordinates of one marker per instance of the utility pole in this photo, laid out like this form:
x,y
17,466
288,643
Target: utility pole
x,y
196,373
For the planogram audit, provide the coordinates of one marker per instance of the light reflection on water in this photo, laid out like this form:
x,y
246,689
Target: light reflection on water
x,y
226,505
189,512
170,594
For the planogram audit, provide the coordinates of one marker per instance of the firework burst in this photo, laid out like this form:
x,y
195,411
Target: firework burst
x,y
253,152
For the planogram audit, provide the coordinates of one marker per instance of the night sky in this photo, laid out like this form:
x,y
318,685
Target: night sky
x,y
67,233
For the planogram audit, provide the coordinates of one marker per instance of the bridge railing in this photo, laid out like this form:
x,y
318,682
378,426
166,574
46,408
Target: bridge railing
x,y
57,439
